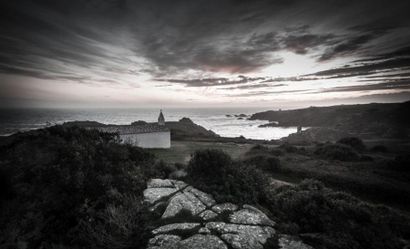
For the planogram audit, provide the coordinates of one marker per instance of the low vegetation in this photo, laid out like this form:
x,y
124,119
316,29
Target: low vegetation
x,y
331,219
368,120
266,163
216,173
325,218
339,152
68,187
354,142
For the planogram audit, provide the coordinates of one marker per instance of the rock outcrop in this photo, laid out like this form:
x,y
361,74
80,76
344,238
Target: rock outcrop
x,y
190,218
316,134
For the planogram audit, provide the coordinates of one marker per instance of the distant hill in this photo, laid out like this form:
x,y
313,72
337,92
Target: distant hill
x,y
185,128
182,129
85,123
367,120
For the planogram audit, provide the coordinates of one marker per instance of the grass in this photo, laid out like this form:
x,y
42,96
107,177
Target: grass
x,y
181,151
367,180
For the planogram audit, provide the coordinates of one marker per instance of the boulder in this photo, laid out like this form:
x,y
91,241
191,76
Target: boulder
x,y
176,227
160,183
208,215
238,228
183,201
242,236
202,241
152,195
251,216
219,208
203,197
179,184
290,242
163,241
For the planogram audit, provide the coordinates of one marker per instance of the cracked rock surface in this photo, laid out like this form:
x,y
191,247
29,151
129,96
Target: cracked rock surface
x,y
190,218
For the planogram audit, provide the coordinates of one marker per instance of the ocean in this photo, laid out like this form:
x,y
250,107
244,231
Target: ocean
x,y
215,119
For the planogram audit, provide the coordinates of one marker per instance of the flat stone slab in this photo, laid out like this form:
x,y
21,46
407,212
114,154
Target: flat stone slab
x,y
209,225
289,242
198,241
247,236
176,227
201,241
208,215
250,216
163,241
179,184
160,183
224,207
152,195
183,201
203,197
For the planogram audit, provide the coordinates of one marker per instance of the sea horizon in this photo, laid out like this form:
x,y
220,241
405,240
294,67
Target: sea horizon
x,y
222,121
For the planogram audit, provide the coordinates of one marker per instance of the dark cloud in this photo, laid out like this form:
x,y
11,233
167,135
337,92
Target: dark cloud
x,y
360,36
393,84
76,40
300,44
254,86
205,82
264,93
396,64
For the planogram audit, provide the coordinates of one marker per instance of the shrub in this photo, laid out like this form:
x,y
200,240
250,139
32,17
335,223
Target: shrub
x,y
263,150
288,148
268,163
214,172
122,225
6,189
64,177
379,148
337,152
208,163
340,220
400,163
164,170
258,147
354,142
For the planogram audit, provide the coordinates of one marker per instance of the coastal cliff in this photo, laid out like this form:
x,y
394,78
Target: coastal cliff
x,y
368,120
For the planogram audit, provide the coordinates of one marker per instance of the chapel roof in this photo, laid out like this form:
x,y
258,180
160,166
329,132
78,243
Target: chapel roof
x,y
132,129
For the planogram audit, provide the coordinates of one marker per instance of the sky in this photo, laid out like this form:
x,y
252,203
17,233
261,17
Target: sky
x,y
197,53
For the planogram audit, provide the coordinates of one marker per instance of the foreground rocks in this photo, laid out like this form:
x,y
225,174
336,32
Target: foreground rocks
x,y
190,218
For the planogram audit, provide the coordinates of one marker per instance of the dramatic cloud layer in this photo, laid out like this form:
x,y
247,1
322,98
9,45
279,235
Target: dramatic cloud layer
x,y
209,51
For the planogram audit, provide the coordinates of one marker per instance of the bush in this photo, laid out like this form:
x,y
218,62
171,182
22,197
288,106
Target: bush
x,y
288,148
400,163
65,178
354,142
263,150
339,152
379,148
339,219
267,163
208,163
214,172
6,189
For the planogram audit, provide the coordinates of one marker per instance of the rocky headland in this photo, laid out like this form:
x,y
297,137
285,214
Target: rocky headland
x,y
180,130
365,121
